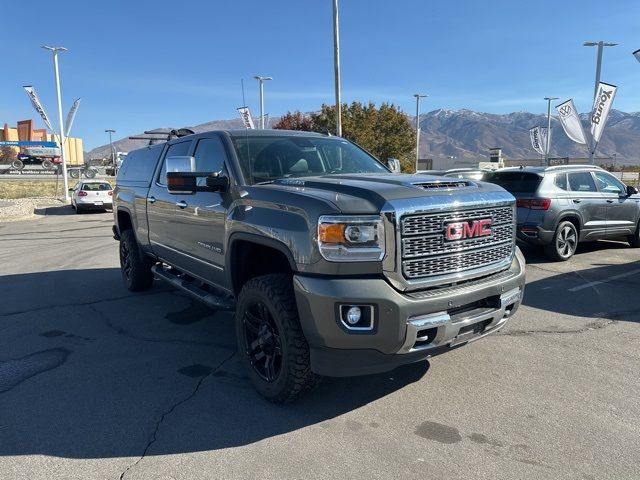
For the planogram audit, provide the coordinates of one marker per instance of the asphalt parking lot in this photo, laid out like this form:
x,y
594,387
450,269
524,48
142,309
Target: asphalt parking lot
x,y
97,382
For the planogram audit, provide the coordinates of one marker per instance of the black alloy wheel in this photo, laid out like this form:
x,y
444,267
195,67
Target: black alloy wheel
x,y
125,260
262,341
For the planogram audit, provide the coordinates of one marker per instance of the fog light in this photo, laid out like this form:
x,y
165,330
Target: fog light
x,y
353,315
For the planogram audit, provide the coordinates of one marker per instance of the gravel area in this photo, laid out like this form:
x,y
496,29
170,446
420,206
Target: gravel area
x,y
24,208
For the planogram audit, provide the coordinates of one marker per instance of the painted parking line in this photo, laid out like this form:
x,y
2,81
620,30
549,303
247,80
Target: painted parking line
x,y
598,282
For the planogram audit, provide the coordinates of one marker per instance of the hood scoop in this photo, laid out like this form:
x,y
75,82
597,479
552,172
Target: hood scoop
x,y
444,184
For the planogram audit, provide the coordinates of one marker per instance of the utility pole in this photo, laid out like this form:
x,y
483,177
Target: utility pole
x,y
548,142
56,74
418,97
600,46
261,80
336,66
113,153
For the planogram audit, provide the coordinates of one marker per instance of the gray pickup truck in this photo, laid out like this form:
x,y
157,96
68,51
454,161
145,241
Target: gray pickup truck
x,y
334,265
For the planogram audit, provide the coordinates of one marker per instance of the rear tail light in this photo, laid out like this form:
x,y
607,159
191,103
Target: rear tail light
x,y
110,193
534,203
82,193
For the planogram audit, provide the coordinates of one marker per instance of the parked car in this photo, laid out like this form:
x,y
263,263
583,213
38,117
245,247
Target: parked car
x,y
333,264
560,206
470,173
92,196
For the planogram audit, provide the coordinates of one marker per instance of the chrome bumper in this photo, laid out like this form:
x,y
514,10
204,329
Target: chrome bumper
x,y
438,329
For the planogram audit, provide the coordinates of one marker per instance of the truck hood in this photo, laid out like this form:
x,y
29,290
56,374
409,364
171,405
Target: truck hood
x,y
368,193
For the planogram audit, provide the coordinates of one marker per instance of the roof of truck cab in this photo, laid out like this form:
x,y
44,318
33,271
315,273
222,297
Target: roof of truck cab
x,y
273,133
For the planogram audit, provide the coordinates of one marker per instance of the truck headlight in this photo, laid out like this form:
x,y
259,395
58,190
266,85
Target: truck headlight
x,y
351,238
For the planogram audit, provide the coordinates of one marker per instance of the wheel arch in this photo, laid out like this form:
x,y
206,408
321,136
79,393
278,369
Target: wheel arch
x,y
273,255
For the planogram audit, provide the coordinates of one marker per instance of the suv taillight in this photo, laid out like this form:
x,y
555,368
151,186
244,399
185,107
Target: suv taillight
x,y
82,193
534,203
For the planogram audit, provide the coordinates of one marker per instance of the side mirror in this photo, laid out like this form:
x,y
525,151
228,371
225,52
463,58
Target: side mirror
x,y
394,165
631,190
180,164
218,182
182,177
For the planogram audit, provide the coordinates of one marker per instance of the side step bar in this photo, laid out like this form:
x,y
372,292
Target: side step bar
x,y
193,288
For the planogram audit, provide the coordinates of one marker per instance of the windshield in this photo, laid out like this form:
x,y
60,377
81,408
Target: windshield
x,y
264,159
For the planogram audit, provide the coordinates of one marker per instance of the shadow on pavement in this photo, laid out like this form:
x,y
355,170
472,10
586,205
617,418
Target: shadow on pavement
x,y
65,210
608,291
89,370
535,255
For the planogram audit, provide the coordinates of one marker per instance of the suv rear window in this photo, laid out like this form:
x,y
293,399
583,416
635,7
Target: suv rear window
x,y
515,182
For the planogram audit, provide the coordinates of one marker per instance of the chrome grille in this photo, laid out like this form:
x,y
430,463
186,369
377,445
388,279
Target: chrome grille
x,y
426,253
435,244
457,262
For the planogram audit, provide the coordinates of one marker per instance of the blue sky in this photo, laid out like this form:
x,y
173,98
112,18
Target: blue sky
x,y
140,64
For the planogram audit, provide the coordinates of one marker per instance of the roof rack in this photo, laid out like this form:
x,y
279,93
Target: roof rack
x,y
161,135
566,167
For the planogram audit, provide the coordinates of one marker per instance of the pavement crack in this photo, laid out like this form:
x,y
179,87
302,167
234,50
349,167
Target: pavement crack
x,y
154,435
76,304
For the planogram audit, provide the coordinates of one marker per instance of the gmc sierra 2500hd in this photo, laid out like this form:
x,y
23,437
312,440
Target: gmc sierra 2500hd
x,y
333,264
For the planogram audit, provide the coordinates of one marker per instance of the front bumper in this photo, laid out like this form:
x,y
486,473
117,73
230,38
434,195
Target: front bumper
x,y
407,327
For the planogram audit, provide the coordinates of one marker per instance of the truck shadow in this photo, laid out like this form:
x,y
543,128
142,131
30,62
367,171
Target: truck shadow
x,y
535,255
89,370
605,291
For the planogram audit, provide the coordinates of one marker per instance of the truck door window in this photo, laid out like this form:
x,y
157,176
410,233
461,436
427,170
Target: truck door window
x,y
210,157
175,150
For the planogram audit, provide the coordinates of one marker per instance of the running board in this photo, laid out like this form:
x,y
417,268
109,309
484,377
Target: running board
x,y
191,287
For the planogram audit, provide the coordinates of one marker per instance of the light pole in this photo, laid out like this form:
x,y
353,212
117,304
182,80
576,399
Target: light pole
x,y
418,97
55,51
600,46
261,80
336,67
548,142
113,156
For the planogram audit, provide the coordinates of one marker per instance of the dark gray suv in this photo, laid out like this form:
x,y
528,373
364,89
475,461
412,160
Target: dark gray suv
x,y
563,205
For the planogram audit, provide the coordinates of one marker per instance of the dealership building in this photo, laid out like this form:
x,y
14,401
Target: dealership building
x,y
24,132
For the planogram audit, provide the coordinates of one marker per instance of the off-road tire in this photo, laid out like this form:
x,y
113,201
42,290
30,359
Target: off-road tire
x,y
558,250
295,377
634,240
134,266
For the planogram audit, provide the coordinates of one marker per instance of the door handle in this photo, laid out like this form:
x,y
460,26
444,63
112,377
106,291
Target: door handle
x,y
610,201
151,199
182,204
576,200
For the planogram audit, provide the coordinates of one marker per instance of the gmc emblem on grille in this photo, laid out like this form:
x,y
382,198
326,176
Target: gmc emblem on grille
x,y
468,229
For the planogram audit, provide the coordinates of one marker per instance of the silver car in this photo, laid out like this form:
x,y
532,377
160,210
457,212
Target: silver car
x,y
92,196
563,205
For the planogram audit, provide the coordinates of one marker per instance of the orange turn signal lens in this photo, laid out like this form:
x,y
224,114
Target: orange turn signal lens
x,y
331,232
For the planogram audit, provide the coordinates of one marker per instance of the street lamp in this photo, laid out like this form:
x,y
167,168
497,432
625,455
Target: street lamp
x,y
113,156
548,142
54,51
261,80
418,97
600,46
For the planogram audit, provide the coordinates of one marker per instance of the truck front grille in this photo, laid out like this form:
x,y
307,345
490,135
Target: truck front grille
x,y
426,252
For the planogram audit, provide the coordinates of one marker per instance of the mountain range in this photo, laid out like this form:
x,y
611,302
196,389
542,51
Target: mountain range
x,y
468,135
